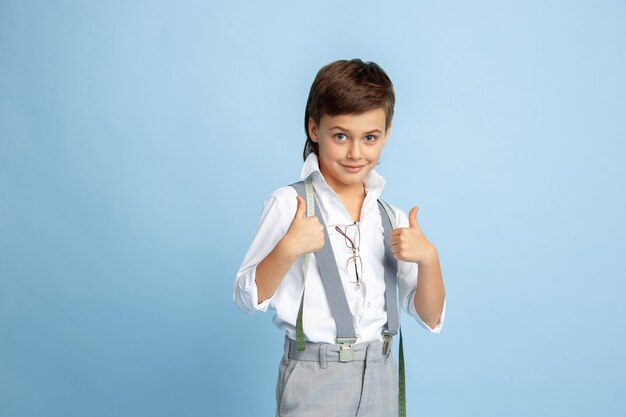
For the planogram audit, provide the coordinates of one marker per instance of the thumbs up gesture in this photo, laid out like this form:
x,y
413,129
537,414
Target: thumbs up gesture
x,y
409,243
305,234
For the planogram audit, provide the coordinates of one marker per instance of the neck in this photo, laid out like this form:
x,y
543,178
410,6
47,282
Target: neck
x,y
352,199
349,191
352,196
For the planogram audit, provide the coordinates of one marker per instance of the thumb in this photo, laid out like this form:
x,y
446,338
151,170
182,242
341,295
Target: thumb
x,y
413,217
301,209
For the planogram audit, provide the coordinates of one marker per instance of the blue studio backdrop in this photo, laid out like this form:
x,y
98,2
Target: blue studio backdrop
x,y
138,140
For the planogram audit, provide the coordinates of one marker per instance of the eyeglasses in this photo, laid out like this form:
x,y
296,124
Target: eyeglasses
x,y
352,235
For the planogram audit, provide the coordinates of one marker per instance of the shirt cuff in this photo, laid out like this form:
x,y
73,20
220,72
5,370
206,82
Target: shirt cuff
x,y
246,294
437,328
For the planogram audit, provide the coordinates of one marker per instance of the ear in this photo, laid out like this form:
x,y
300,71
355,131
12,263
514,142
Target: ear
x,y
313,134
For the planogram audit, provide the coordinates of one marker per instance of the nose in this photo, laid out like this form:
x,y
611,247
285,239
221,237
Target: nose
x,y
354,151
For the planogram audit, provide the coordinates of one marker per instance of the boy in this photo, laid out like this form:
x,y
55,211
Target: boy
x,y
351,279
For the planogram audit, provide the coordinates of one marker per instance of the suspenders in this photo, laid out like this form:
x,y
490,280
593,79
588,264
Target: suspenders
x,y
346,334
391,277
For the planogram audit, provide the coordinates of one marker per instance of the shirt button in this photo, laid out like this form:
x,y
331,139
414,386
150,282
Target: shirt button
x,y
369,305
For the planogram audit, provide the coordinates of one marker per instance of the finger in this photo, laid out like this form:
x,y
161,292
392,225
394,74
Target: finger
x,y
413,217
396,237
399,237
301,209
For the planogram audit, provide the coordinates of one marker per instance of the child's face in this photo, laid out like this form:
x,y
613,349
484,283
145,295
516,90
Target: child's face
x,y
349,146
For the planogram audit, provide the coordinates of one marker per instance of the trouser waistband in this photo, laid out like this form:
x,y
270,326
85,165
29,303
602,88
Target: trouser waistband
x,y
325,352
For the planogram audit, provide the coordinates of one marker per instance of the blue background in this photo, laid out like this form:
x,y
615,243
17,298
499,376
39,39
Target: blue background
x,y
138,140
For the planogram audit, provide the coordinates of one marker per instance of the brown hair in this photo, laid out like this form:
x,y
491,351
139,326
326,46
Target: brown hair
x,y
347,87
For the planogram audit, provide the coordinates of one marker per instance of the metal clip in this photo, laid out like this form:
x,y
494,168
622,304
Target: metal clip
x,y
387,335
346,354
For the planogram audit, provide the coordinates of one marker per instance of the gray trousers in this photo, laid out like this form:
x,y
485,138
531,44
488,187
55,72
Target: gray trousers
x,y
314,383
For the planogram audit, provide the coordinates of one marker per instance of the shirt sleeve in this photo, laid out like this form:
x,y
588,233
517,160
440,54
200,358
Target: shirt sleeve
x,y
407,282
278,211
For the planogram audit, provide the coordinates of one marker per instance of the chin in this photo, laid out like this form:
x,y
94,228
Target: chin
x,y
353,180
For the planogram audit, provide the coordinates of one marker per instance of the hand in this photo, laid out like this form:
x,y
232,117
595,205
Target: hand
x,y
305,234
409,243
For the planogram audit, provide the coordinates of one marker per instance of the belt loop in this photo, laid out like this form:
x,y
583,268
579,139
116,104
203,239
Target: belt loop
x,y
323,356
286,350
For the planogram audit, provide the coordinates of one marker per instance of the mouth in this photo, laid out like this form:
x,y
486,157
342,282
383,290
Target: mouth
x,y
352,168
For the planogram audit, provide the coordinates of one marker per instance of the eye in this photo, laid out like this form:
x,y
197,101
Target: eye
x,y
341,137
370,138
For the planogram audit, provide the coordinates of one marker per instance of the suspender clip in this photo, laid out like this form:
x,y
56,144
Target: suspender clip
x,y
346,354
387,335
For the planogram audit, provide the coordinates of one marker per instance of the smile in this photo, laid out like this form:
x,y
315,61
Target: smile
x,y
352,168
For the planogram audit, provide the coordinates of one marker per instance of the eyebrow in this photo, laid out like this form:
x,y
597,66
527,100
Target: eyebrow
x,y
348,130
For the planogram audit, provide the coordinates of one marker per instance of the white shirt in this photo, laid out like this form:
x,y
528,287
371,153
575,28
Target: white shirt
x,y
367,304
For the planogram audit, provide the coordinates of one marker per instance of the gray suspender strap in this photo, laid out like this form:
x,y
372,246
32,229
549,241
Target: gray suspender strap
x,y
335,294
391,279
401,377
308,198
333,287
